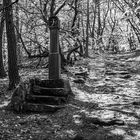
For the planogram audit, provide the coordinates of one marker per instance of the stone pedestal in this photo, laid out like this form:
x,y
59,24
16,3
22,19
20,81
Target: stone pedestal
x,y
41,96
44,95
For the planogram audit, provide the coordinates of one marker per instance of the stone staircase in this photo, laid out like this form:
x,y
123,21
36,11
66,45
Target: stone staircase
x,y
43,96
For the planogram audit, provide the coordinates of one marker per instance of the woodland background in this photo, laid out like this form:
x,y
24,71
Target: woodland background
x,y
96,25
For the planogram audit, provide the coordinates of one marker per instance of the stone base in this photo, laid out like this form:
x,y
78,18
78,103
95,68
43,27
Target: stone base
x,y
41,96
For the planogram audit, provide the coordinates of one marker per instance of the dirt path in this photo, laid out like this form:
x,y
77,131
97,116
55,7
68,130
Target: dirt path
x,y
114,84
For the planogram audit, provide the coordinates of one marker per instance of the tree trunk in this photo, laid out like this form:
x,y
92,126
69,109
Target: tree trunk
x,y
87,33
73,26
93,26
19,57
99,39
11,44
2,71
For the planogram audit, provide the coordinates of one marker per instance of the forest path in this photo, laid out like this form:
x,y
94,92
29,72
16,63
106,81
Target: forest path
x,y
111,91
114,84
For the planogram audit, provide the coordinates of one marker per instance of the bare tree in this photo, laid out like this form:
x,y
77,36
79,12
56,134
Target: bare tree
x,y
11,44
87,31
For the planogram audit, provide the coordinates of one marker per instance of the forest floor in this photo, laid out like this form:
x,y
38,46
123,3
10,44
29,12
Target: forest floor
x,y
111,91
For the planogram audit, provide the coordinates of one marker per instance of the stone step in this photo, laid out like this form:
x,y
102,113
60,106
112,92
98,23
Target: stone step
x,y
48,83
51,100
31,107
57,92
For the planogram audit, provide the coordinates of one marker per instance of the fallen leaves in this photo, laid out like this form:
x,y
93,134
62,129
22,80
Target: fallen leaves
x,y
107,95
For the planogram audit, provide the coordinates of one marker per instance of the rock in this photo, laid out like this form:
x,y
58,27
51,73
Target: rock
x,y
99,122
79,137
126,76
110,73
136,103
18,97
79,81
84,74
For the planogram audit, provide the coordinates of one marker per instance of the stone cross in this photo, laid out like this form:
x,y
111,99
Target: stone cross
x,y
54,56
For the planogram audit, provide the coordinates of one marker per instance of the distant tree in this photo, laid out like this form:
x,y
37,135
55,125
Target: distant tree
x,y
2,71
87,31
11,44
75,8
17,35
94,20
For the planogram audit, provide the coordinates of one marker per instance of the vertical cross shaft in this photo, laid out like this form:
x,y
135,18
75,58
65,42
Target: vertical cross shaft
x,y
54,56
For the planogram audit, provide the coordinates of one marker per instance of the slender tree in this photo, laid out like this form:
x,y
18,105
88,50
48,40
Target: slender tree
x,y
2,71
94,20
11,44
87,32
17,35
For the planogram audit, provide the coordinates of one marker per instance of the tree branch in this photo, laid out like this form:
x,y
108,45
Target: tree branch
x,y
57,11
16,1
52,7
29,54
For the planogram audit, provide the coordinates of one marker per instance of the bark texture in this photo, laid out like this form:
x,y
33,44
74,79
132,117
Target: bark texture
x,y
11,44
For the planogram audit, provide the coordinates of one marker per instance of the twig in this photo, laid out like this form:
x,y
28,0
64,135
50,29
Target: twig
x,y
16,1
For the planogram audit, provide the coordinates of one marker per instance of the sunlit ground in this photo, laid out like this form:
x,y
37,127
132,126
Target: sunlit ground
x,y
116,103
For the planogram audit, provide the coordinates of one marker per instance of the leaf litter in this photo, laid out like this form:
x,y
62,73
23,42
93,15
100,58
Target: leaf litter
x,y
109,93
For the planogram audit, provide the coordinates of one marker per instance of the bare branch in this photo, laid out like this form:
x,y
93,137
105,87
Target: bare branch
x,y
52,7
57,11
16,1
